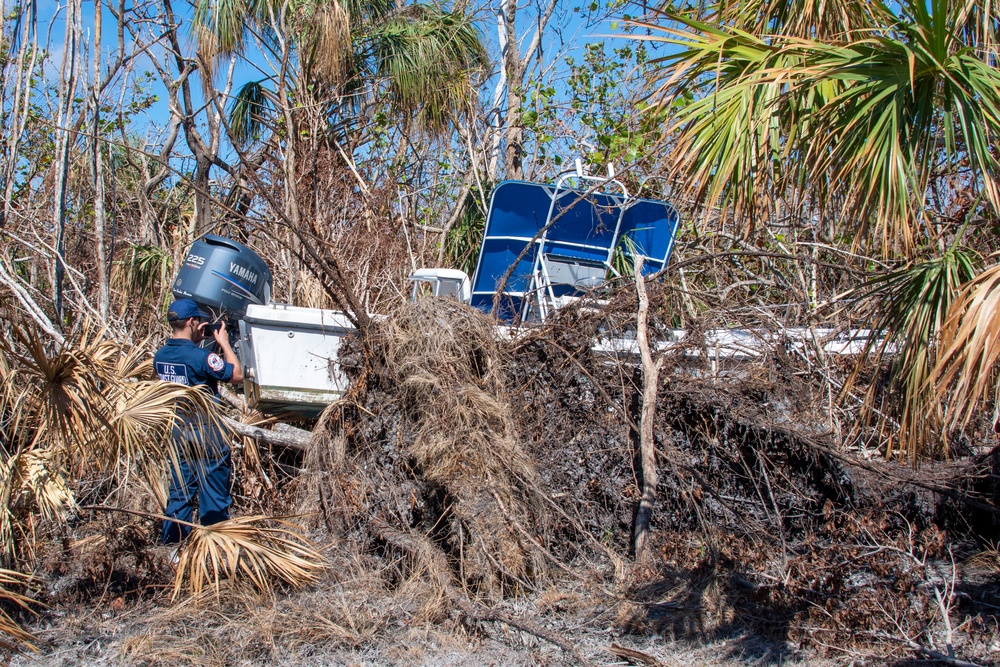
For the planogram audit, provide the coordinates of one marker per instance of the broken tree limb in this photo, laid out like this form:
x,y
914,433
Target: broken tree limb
x,y
647,448
937,656
287,437
634,657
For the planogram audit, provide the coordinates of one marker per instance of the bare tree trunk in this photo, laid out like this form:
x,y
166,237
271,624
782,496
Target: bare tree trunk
x,y
206,154
182,103
67,88
514,69
103,290
647,447
22,101
493,157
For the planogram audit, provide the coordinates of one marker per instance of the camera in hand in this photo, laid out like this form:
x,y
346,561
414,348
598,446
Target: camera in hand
x,y
211,328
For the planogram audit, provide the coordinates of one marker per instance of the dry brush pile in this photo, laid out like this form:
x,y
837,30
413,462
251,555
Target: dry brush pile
x,y
489,467
468,476
427,445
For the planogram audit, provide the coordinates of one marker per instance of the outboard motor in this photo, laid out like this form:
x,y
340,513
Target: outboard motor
x,y
224,276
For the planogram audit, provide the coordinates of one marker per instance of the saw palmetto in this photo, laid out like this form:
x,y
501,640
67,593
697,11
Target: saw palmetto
x,y
912,308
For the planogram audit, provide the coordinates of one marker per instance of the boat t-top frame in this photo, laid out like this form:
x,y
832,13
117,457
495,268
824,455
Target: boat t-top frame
x,y
546,245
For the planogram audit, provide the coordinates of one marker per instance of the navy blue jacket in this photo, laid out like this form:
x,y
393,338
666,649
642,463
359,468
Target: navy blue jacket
x,y
181,361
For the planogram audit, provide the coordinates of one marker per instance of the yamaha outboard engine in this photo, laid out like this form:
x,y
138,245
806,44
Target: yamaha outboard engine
x,y
224,276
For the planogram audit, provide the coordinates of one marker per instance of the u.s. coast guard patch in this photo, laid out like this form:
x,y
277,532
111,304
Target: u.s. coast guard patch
x,y
215,362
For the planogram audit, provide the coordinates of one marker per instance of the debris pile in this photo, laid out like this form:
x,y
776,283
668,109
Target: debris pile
x,y
427,445
495,465
471,481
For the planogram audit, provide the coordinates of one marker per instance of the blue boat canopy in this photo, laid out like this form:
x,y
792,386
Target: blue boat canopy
x,y
557,242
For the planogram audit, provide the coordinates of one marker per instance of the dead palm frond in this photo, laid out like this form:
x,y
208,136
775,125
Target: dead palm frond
x,y
325,31
42,483
134,363
99,355
147,411
59,393
913,304
970,348
141,427
33,483
257,549
18,637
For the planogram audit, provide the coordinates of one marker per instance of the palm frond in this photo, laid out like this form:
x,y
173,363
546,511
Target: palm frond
x,y
219,25
428,58
31,483
857,127
913,304
741,128
142,270
18,637
248,112
62,395
42,481
880,132
134,362
257,549
970,342
820,19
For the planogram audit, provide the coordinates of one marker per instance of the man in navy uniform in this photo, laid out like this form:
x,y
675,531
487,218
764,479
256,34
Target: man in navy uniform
x,y
181,360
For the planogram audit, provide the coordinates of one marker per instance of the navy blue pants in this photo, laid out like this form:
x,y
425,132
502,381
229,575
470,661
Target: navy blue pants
x,y
204,478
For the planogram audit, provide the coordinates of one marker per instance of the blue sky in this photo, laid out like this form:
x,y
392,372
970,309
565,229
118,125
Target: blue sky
x,y
567,32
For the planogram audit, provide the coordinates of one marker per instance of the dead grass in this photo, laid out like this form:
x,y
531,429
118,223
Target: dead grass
x,y
363,616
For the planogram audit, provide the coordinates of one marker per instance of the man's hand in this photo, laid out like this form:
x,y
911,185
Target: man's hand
x,y
221,337
219,334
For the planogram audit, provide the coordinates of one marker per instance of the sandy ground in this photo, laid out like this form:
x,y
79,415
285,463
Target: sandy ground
x,y
435,651
334,626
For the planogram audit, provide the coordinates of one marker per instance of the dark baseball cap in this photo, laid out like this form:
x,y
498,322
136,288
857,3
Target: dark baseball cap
x,y
182,309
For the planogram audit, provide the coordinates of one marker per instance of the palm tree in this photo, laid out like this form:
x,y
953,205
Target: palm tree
x,y
421,59
857,116
861,116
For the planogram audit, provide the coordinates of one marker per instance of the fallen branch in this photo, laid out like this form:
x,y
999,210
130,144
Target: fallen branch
x,y
287,437
929,652
940,657
634,657
647,446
